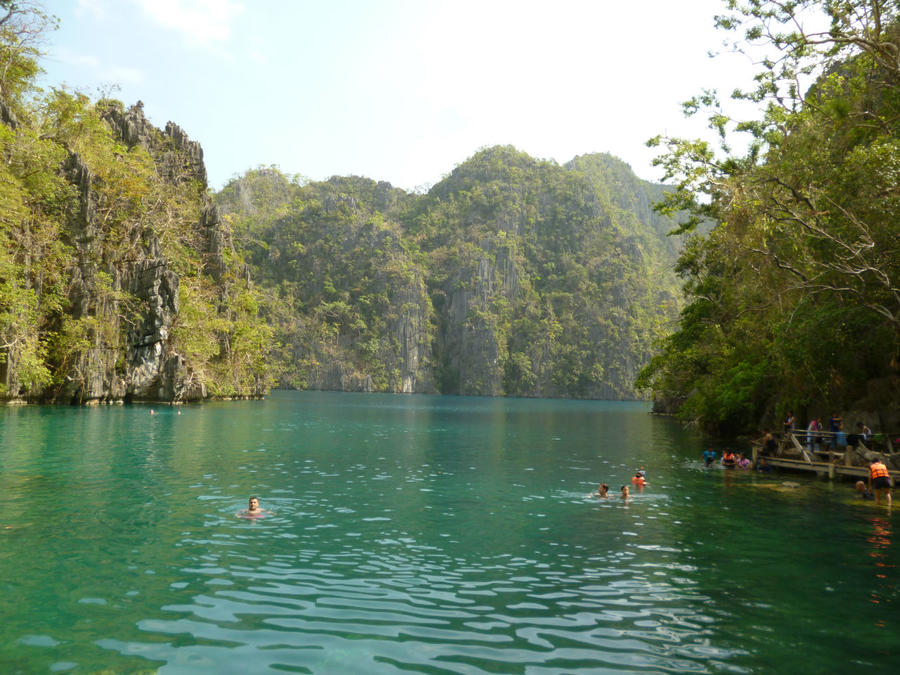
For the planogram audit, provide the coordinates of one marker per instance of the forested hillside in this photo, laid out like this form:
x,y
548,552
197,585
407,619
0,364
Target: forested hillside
x,y
512,276
794,299
118,280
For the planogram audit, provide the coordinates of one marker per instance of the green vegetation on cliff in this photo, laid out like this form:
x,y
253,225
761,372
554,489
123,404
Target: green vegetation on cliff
x,y
794,298
117,279
512,276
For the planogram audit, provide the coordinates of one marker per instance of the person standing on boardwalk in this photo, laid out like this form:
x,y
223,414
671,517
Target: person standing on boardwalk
x,y
812,434
880,481
834,426
789,423
865,432
769,444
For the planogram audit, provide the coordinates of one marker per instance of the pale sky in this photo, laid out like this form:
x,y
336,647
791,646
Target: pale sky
x,y
397,90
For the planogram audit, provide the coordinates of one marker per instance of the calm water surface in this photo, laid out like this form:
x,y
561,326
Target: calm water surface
x,y
423,534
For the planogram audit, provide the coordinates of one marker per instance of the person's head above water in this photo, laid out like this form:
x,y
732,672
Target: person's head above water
x,y
253,504
860,486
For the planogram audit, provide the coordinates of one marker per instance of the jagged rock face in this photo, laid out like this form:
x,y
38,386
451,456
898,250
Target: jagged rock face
x,y
410,330
405,350
147,352
469,343
148,367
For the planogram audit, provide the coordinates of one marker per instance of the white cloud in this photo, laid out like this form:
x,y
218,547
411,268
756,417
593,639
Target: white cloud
x,y
203,22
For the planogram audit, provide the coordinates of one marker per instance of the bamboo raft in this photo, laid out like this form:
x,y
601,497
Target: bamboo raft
x,y
825,462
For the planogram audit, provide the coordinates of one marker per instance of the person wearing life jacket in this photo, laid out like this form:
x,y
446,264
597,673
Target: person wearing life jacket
x,y
639,481
880,481
728,459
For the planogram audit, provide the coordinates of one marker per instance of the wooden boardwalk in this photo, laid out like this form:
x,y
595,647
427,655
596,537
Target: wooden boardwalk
x,y
823,462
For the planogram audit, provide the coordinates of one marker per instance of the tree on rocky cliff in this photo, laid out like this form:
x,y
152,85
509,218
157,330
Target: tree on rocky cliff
x,y
117,278
512,276
795,297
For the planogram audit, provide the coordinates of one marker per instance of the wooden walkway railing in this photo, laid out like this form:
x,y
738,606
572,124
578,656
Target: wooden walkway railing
x,y
823,453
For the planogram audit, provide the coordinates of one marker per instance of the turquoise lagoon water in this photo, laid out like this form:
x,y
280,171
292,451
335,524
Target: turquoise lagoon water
x,y
422,534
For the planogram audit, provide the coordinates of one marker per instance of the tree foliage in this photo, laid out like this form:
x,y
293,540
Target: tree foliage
x,y
794,298
511,276
85,210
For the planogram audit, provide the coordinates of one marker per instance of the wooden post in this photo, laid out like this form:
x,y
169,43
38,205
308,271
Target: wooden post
x,y
831,470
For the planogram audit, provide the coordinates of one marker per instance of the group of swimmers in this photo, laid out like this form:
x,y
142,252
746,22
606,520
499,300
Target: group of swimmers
x,y
730,460
639,481
879,485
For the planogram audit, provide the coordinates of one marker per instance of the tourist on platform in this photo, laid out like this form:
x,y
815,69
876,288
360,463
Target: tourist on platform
x,y
789,423
834,426
841,437
880,481
820,438
863,492
709,456
812,434
865,432
769,444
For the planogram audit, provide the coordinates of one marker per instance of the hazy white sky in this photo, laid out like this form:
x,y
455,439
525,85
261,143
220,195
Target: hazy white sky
x,y
397,90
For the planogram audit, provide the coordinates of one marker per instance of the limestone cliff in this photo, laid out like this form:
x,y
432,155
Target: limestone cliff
x,y
511,276
139,237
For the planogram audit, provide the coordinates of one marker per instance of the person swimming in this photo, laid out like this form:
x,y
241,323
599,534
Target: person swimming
x,y
253,510
602,491
625,492
863,492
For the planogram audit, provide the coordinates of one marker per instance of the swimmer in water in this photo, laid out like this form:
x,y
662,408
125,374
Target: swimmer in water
x,y
625,492
602,491
253,510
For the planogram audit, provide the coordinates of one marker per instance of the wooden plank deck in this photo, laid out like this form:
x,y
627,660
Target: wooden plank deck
x,y
824,461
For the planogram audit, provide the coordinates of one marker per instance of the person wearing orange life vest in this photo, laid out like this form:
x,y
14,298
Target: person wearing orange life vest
x,y
728,459
879,480
639,480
